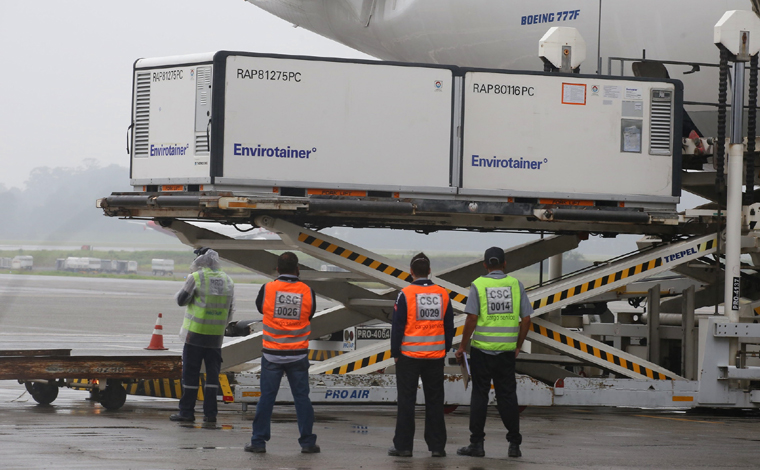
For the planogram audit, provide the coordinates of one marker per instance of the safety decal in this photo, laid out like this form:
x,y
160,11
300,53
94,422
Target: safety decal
x,y
361,363
166,388
598,353
322,355
368,262
610,278
172,388
374,359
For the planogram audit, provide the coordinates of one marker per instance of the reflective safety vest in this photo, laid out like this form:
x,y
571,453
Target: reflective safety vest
x,y
424,335
287,306
499,318
207,313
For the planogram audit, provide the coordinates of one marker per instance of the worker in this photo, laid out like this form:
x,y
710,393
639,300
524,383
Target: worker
x,y
422,331
288,306
498,319
209,296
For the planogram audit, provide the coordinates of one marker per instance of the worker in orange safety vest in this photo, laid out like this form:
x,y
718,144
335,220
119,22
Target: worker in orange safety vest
x,y
422,331
288,306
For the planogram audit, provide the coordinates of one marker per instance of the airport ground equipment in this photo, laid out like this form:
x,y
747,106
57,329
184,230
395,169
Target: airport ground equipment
x,y
163,267
44,371
194,158
22,263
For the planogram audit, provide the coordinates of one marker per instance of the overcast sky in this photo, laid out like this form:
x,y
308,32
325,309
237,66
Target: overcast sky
x,y
66,76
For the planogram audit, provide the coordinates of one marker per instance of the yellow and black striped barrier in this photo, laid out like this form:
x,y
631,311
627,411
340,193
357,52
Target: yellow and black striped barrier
x,y
609,279
164,388
598,353
368,262
373,359
322,355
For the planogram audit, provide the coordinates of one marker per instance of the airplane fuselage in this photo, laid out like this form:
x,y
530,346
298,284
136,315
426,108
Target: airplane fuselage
x,y
504,34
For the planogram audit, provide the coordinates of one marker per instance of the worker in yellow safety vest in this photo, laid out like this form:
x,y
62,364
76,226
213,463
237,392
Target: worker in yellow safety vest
x,y
208,294
498,319
422,331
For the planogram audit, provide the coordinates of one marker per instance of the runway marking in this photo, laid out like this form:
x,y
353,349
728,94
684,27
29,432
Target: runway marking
x,y
679,419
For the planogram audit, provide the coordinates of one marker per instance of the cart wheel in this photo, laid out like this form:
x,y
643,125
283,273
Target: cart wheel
x,y
43,393
114,396
449,408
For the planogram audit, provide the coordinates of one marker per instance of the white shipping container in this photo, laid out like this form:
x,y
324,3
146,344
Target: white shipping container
x,y
293,122
162,266
570,137
73,263
302,126
22,263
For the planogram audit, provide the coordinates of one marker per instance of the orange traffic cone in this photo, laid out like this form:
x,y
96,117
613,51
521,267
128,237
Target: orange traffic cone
x,y
157,340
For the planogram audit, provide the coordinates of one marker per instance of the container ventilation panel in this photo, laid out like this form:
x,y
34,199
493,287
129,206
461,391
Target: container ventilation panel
x,y
661,123
202,108
142,115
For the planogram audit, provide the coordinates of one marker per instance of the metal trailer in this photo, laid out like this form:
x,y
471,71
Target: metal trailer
x,y
124,267
5,263
22,263
708,363
163,267
132,267
43,372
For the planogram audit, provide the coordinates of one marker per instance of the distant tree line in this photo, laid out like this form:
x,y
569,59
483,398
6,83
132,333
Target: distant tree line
x,y
58,204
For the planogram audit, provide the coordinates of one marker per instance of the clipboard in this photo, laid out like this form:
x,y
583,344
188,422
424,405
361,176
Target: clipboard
x,y
465,367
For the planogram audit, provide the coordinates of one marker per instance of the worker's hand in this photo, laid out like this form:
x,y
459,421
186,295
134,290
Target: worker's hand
x,y
459,354
517,351
395,360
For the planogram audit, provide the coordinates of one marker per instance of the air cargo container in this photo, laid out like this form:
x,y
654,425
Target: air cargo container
x,y
257,124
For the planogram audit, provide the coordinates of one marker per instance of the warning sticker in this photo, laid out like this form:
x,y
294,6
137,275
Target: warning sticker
x,y
573,93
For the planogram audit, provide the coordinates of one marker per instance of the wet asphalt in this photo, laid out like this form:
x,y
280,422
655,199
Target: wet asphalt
x,y
105,316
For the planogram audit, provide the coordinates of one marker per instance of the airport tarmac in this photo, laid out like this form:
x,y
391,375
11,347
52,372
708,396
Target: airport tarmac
x,y
116,316
75,433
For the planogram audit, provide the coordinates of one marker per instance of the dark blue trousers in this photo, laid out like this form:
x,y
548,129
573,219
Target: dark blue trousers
x,y
500,369
192,358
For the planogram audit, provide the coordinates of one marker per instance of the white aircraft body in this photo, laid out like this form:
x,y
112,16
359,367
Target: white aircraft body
x,y
504,34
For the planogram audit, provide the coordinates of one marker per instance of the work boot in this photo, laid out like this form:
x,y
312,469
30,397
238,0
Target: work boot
x,y
311,449
475,449
209,419
514,450
255,449
182,419
393,452
438,453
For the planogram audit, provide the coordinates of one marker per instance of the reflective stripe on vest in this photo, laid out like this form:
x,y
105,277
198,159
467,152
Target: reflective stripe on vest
x,y
287,306
424,335
499,318
209,309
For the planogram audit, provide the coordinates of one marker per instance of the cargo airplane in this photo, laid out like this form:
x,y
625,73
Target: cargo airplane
x,y
504,34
